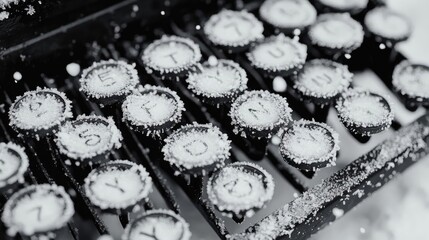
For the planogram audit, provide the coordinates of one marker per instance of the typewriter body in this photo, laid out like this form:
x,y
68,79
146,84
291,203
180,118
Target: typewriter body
x,y
50,48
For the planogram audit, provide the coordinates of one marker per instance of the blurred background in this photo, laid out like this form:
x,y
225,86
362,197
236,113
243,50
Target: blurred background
x,y
400,210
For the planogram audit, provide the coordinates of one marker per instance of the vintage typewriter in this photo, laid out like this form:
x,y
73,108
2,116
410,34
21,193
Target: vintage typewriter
x,y
201,119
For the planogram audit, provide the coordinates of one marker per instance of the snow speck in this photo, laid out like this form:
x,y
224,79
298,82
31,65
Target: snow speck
x,y
73,69
17,76
337,212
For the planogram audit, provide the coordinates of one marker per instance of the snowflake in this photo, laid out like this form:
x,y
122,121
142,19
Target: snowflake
x,y
30,10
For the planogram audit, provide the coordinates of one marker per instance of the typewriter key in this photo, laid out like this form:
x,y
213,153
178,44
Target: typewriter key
x,y
233,30
153,110
309,145
38,211
240,189
336,33
39,113
108,82
157,224
289,16
278,55
322,80
118,186
387,26
88,139
259,114
219,82
364,113
171,56
351,6
197,149
411,81
13,165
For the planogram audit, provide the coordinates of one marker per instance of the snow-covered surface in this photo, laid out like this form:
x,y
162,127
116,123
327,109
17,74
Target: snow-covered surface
x,y
384,22
157,224
336,30
37,209
277,53
233,28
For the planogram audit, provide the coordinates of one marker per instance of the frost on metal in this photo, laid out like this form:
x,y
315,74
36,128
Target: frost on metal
x,y
322,79
15,164
363,112
259,114
109,79
233,28
197,148
388,24
157,224
288,14
336,31
88,137
171,55
40,111
118,185
51,203
412,80
219,80
240,189
310,145
408,144
153,110
278,54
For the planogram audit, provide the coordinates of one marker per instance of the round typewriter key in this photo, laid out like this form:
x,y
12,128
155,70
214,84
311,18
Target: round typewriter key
x,y
197,149
411,81
38,211
118,186
290,16
364,113
88,139
278,55
39,113
321,81
259,114
108,82
240,189
218,83
309,145
153,111
387,25
351,6
13,165
233,30
336,33
157,224
171,56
